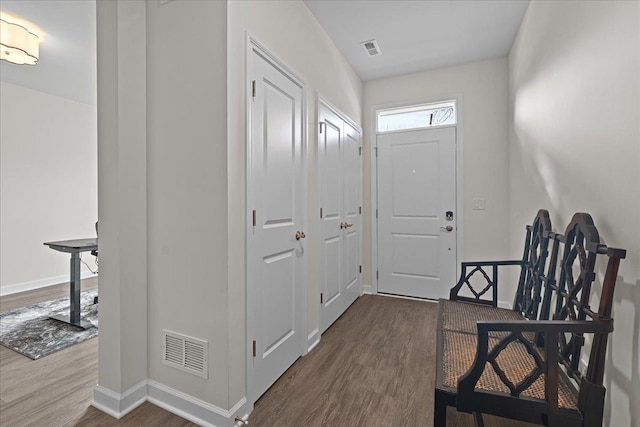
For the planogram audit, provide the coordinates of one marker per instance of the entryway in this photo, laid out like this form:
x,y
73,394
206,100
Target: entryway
x,y
417,211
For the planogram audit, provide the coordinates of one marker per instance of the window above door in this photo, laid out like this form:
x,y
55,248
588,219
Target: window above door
x,y
416,116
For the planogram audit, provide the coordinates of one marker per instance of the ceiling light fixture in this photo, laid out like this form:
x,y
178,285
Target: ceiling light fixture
x,y
17,44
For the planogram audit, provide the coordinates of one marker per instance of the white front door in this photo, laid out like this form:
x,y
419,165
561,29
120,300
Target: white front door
x,y
340,180
416,212
275,201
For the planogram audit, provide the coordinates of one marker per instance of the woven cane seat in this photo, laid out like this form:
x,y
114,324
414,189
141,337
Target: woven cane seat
x,y
462,316
459,350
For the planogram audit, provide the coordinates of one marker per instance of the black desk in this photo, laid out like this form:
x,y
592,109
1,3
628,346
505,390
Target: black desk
x,y
74,247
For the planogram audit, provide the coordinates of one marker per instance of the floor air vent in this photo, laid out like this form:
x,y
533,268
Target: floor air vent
x,y
185,353
371,47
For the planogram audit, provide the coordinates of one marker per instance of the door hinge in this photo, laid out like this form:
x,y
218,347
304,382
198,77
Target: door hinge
x,y
360,210
377,274
320,125
321,298
376,150
253,89
320,212
360,151
360,269
254,218
254,348
376,213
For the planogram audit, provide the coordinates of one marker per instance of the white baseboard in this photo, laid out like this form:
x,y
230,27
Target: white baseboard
x,y
119,404
313,340
41,283
504,304
193,409
188,407
367,289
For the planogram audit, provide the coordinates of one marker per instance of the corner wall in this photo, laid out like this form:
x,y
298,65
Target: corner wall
x,y
483,86
574,96
187,189
48,184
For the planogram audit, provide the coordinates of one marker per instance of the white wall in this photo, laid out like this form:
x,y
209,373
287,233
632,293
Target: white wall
x,y
291,32
48,155
187,188
122,189
574,90
483,86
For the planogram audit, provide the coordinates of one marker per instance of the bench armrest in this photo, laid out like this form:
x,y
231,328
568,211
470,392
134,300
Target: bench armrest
x,y
468,269
549,366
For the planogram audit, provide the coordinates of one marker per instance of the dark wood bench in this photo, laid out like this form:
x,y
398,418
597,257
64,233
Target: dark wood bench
x,y
517,363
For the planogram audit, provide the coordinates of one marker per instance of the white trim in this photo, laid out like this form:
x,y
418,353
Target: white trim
x,y
41,283
320,99
313,339
188,407
318,220
433,301
251,44
459,177
119,404
368,289
191,408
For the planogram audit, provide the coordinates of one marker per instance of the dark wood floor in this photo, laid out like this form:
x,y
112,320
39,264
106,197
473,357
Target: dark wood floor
x,y
373,367
57,389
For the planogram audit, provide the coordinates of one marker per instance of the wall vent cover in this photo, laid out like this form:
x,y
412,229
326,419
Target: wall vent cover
x,y
371,47
185,353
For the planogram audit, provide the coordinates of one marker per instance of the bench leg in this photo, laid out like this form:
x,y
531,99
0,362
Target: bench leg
x,y
440,411
477,417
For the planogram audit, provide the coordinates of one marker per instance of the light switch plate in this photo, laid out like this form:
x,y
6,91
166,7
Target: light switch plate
x,y
478,204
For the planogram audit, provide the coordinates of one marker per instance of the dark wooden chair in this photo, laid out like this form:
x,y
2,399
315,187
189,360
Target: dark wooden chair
x,y
521,365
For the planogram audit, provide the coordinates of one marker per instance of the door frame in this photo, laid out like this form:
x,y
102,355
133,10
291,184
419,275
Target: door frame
x,y
251,45
374,178
321,100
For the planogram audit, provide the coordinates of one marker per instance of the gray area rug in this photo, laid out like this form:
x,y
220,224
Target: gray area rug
x,y
29,331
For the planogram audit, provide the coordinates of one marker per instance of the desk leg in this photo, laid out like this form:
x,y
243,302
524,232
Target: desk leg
x,y
74,297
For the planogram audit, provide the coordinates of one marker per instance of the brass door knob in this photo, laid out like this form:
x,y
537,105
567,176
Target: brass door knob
x,y
300,235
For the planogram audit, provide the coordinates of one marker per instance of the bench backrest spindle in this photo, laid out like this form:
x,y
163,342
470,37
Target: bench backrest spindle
x,y
534,260
580,245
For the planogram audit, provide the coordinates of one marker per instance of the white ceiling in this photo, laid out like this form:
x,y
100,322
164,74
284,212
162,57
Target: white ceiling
x,y
413,36
419,35
67,64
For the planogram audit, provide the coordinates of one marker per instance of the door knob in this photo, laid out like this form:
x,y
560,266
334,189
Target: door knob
x,y
447,228
300,235
347,225
343,225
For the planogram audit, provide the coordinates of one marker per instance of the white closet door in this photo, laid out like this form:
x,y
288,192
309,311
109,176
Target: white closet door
x,y
416,189
352,182
340,178
276,201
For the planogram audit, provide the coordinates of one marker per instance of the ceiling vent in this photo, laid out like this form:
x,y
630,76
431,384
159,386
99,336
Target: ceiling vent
x,y
371,47
185,353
